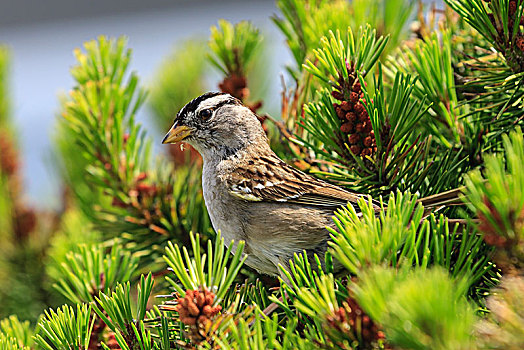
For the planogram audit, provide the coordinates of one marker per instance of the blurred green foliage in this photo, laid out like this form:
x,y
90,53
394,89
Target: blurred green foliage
x,y
436,109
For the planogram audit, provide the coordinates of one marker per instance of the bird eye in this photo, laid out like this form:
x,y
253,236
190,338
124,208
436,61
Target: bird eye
x,y
206,113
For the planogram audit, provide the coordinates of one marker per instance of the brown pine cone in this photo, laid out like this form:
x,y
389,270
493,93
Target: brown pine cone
x,y
351,116
352,318
346,106
197,307
363,116
366,152
235,85
354,97
340,113
354,139
512,8
355,149
359,108
368,141
519,41
346,127
357,87
336,94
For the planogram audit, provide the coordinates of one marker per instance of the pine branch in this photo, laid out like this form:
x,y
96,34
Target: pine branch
x,y
235,50
145,201
497,198
432,303
213,271
15,333
499,21
116,312
9,343
65,328
400,237
345,324
90,270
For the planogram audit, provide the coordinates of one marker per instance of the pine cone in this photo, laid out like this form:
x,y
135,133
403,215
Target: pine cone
x,y
369,141
519,41
235,85
354,97
354,139
512,8
359,108
340,112
355,150
509,255
351,318
197,307
8,157
357,87
358,126
351,116
346,127
346,106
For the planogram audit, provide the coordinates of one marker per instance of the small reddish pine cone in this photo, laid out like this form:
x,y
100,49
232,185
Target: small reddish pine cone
x,y
353,317
235,85
197,307
354,139
512,8
340,113
363,117
359,109
355,149
368,141
351,116
346,106
491,233
8,157
338,95
357,87
519,42
354,97
346,127
146,189
366,152
359,127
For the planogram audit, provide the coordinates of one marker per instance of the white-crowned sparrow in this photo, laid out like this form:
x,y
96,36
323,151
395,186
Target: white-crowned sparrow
x,y
250,193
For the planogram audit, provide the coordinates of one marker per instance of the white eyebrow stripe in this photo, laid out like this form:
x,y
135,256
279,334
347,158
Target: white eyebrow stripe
x,y
213,101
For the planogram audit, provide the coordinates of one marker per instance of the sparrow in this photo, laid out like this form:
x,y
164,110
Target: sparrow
x,y
250,193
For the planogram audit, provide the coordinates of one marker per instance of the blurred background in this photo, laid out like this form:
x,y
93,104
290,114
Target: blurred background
x,y
41,37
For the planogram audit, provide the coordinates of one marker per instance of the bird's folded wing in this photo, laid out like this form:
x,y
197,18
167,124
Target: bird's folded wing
x,y
272,180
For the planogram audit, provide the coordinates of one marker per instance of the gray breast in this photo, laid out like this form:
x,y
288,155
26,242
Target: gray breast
x,y
273,231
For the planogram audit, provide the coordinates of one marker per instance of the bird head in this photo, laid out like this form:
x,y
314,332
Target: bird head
x,y
216,123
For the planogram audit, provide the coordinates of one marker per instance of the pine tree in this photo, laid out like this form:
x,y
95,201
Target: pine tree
x,y
378,105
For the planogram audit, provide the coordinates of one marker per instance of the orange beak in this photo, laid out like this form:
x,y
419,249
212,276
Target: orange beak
x,y
177,134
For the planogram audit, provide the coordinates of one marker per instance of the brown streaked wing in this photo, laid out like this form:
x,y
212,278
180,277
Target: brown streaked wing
x,y
271,179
